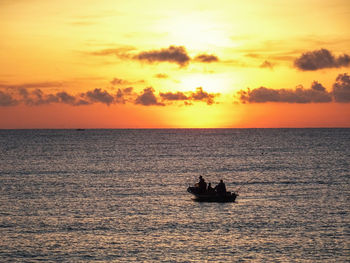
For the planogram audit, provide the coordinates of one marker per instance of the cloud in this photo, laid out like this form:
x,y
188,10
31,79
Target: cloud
x,y
206,58
189,97
37,97
48,84
341,88
252,55
122,52
98,95
121,82
123,95
117,81
173,96
161,76
320,59
147,98
7,100
266,64
66,98
172,54
316,94
201,95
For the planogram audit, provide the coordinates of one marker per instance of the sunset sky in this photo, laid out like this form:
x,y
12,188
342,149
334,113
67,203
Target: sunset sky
x,y
174,64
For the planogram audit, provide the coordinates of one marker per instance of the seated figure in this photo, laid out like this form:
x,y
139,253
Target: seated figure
x,y
202,184
220,188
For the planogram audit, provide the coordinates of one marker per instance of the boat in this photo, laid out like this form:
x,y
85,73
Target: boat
x,y
211,196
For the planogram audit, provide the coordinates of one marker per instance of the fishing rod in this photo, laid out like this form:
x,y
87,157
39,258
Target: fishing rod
x,y
245,184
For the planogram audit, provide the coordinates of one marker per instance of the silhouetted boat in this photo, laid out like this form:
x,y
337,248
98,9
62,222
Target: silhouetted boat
x,y
211,196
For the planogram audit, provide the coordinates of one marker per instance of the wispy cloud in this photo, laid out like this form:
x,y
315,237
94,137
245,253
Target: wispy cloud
x,y
47,84
161,76
267,64
120,52
205,58
121,82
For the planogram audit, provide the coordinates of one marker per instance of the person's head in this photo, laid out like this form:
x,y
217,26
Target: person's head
x,y
200,177
221,181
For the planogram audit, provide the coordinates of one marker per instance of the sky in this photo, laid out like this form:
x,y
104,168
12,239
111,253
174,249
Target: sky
x,y
174,64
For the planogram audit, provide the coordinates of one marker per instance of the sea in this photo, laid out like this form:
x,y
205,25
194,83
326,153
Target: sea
x,y
119,195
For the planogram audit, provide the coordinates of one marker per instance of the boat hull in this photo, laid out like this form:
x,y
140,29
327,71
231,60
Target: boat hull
x,y
212,197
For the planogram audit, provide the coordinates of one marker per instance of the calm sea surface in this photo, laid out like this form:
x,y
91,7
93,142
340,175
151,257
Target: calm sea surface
x,y
120,195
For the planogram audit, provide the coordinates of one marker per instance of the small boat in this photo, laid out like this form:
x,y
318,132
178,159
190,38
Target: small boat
x,y
211,196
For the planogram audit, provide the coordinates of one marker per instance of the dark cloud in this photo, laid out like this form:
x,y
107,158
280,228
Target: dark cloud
x,y
341,88
206,58
316,94
147,98
66,98
171,54
320,59
318,86
123,95
173,96
201,95
98,95
7,99
36,97
189,97
266,64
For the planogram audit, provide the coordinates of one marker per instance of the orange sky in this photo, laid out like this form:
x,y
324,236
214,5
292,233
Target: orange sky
x,y
174,64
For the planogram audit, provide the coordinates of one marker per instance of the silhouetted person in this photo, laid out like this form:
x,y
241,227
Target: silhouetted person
x,y
210,189
220,188
202,184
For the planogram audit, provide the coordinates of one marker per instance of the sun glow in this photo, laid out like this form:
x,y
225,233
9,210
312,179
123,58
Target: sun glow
x,y
210,83
196,31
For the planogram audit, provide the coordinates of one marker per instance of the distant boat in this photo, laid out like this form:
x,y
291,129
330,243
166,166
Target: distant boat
x,y
212,196
80,129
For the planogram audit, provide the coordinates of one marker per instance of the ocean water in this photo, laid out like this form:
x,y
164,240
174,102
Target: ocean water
x,y
120,195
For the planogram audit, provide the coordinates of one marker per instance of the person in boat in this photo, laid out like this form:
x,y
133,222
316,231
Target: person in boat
x,y
220,188
202,185
210,188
